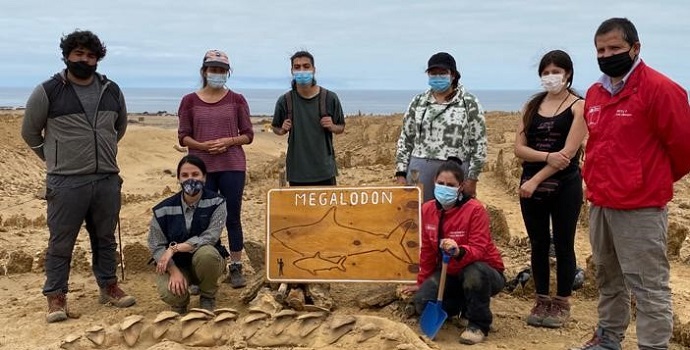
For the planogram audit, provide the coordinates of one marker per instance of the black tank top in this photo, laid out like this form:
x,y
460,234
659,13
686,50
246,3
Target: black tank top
x,y
548,135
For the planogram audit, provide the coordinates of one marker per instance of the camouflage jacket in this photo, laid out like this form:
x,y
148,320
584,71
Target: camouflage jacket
x,y
438,131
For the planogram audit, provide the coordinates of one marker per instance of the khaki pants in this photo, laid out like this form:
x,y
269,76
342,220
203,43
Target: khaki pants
x,y
207,267
629,251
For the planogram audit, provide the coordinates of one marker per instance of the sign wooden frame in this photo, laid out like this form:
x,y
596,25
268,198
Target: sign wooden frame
x,y
343,234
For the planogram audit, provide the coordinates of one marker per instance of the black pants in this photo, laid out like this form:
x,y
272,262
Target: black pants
x,y
468,293
327,182
560,210
98,204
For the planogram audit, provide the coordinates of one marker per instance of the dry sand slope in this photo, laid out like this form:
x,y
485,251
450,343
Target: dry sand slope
x,y
365,154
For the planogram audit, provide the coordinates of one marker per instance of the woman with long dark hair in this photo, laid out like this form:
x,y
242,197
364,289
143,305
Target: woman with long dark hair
x,y
548,140
458,226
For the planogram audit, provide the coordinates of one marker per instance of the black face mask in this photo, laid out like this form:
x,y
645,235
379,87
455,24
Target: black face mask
x,y
616,65
80,69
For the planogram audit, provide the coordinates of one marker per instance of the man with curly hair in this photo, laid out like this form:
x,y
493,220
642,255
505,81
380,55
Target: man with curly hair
x,y
73,121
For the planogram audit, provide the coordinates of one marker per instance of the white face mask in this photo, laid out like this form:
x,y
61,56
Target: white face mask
x,y
552,82
216,80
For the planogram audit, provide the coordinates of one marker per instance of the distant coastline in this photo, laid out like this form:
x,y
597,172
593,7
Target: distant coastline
x,y
165,101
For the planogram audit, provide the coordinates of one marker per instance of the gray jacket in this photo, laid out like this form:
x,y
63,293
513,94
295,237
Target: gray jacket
x,y
56,127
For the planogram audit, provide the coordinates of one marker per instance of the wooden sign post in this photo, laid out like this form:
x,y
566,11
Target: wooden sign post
x,y
341,234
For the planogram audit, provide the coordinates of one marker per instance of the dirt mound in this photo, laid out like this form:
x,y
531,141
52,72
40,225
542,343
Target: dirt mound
x,y
677,234
137,257
500,231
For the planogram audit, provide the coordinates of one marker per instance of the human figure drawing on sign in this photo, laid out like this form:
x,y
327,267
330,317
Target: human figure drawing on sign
x,y
280,266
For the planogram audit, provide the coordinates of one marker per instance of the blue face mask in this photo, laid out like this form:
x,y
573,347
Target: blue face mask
x,y
216,80
303,77
446,195
439,83
192,186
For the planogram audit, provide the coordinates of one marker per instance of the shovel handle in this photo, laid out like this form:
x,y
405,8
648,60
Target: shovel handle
x,y
442,282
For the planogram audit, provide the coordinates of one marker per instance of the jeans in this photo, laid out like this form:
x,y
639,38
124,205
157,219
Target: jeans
x,y
230,184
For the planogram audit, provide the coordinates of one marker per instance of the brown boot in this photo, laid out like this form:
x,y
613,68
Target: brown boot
x,y
558,314
295,299
113,295
539,311
57,308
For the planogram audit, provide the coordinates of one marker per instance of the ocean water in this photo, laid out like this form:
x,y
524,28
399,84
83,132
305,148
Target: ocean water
x,y
262,101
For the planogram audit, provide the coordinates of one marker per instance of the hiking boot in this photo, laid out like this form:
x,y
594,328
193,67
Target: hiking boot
x,y
207,303
179,309
471,336
600,341
558,313
235,277
539,311
57,308
113,295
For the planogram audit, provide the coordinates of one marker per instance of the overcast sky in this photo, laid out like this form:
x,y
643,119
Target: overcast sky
x,y
357,44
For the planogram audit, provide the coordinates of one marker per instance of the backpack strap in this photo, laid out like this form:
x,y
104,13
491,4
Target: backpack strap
x,y
288,102
323,111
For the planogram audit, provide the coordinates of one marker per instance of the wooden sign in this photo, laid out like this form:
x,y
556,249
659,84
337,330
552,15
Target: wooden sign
x,y
342,234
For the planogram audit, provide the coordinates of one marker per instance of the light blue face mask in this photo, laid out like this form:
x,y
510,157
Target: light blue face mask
x,y
446,195
439,83
303,77
216,80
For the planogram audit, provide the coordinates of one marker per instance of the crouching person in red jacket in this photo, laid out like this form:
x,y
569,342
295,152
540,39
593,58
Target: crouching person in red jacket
x,y
459,226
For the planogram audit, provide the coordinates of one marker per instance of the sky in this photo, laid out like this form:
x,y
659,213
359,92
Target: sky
x,y
357,44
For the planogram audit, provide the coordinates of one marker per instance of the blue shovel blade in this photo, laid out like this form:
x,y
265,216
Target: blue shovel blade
x,y
432,319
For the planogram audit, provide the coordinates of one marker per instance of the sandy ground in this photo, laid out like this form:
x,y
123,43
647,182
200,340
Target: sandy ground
x,y
365,154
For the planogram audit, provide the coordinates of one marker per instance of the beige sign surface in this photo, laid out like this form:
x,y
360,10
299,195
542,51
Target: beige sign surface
x,y
343,234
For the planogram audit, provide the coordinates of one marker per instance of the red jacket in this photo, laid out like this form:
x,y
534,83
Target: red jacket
x,y
639,141
468,225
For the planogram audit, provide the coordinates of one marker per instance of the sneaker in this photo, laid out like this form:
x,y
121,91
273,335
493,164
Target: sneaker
x,y
207,303
539,311
113,295
57,308
193,289
558,313
235,277
460,321
600,341
471,336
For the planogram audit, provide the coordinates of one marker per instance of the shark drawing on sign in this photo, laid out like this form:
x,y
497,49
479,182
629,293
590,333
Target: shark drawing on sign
x,y
313,264
343,240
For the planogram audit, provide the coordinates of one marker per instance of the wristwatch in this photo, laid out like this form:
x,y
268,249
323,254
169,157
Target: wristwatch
x,y
173,246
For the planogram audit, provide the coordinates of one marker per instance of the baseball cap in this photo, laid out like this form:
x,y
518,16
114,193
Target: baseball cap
x,y
442,60
216,58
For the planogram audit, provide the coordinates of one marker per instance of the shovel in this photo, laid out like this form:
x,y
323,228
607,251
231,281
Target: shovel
x,y
434,316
